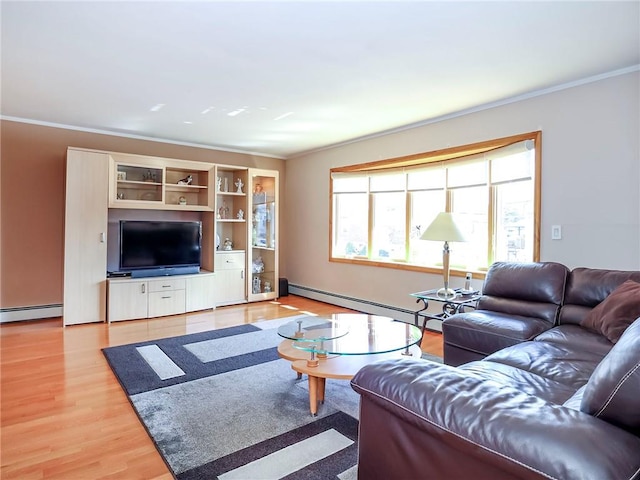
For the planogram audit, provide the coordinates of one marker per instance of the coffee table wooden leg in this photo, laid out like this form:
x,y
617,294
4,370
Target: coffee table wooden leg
x,y
313,394
321,382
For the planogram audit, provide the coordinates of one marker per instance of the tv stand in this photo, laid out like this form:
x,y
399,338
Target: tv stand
x,y
133,298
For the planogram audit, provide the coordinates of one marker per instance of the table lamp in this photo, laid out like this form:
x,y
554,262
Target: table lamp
x,y
445,229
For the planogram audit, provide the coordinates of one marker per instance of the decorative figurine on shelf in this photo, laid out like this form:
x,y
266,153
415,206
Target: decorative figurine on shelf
x,y
228,244
267,287
239,185
240,215
259,196
149,176
256,285
182,201
257,265
223,211
188,180
219,184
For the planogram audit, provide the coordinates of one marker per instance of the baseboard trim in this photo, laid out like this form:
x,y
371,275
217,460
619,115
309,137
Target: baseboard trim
x,y
35,312
361,305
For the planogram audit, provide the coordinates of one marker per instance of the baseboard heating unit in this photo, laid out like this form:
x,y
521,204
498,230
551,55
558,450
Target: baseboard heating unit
x,y
35,312
358,304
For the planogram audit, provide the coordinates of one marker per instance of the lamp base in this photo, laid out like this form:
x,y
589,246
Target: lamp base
x,y
446,294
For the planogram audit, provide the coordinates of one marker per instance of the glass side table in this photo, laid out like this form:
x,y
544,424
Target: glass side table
x,y
450,306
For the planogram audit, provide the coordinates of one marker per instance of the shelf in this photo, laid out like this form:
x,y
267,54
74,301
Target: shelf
x,y
232,194
259,199
266,273
259,247
149,183
185,188
137,184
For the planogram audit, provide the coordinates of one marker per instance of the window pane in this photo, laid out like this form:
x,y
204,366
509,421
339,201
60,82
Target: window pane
x,y
467,174
426,179
350,184
472,205
350,220
513,167
388,183
424,208
389,226
514,222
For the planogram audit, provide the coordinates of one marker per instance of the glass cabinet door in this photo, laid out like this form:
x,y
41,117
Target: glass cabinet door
x,y
263,281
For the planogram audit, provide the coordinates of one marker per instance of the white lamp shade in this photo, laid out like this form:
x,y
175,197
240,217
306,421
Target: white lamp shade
x,y
444,228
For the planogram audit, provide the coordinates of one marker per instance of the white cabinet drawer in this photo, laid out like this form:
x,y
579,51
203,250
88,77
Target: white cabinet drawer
x,y
166,303
167,284
230,261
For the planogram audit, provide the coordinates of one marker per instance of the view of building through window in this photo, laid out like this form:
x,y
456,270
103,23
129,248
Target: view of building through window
x,y
379,214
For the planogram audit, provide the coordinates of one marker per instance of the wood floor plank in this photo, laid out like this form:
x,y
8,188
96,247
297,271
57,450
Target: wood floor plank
x,y
63,414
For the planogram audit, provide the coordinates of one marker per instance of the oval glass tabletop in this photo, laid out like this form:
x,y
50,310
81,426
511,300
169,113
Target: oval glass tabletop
x,y
367,335
312,329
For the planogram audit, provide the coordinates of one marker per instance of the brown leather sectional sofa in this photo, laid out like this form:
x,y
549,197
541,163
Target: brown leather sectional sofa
x,y
530,387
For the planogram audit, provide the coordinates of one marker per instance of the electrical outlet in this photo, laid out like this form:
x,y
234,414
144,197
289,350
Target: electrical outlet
x,y
556,232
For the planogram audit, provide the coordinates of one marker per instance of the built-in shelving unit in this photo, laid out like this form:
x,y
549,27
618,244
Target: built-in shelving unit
x,y
263,283
100,183
231,233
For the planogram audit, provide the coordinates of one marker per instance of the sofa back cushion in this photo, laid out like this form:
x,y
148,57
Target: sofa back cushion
x,y
587,287
614,387
526,289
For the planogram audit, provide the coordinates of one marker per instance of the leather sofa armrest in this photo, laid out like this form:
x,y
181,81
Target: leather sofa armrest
x,y
483,422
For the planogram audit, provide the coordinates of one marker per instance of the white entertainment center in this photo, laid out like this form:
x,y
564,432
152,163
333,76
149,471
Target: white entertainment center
x,y
237,209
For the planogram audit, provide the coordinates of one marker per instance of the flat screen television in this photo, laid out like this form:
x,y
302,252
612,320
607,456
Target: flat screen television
x,y
151,248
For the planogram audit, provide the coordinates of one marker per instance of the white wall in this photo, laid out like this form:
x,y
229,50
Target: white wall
x,y
590,186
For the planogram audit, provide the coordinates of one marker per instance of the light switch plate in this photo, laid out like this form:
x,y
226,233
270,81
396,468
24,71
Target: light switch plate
x,y
556,232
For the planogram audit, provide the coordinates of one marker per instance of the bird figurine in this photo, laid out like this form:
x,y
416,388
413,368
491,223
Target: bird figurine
x,y
188,180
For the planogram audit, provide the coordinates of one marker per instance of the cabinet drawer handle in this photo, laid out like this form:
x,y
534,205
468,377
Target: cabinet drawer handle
x,y
166,286
165,297
143,288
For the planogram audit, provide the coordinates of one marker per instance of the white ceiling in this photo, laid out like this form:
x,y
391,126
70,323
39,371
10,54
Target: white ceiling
x,y
298,75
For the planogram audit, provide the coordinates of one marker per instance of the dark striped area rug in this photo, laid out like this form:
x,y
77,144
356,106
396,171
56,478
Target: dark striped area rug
x,y
222,404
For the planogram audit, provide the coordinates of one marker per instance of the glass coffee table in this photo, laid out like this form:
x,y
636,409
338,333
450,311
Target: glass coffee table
x,y
338,347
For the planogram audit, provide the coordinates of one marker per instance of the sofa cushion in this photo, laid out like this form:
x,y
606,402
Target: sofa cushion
x,y
616,312
525,289
578,338
566,361
531,383
587,287
486,332
612,390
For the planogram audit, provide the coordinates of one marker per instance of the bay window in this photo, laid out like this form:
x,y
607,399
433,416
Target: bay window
x,y
380,209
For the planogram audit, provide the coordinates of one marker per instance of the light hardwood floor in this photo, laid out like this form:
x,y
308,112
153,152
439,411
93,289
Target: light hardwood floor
x,y
64,414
